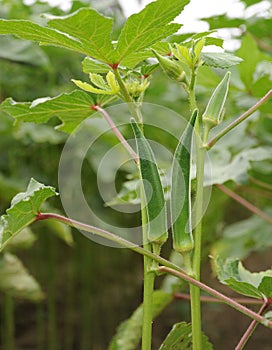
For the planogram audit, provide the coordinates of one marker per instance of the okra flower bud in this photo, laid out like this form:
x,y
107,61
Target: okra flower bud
x,y
213,113
172,68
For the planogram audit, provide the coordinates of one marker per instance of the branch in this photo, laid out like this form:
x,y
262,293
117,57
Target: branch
x,y
239,120
110,236
251,328
245,203
218,295
118,134
208,299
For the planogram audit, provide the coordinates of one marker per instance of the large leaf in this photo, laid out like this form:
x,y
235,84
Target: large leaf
x,y
226,168
180,338
23,211
243,237
149,26
91,29
32,31
16,281
129,332
88,32
220,59
253,284
71,108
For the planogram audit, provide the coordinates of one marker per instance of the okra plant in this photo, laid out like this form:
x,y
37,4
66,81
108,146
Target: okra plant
x,y
120,70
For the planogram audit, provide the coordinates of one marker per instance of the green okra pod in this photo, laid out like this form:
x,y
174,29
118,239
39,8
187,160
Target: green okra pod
x,y
213,113
172,68
181,190
153,190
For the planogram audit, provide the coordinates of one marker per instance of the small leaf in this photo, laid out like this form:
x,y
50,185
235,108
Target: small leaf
x,y
71,108
180,338
129,332
16,281
23,211
266,286
232,273
198,48
149,26
220,59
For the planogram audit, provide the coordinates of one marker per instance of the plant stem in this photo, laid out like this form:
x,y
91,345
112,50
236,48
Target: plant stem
x,y
149,278
191,91
240,119
248,333
194,290
208,299
126,97
229,301
245,203
118,134
110,236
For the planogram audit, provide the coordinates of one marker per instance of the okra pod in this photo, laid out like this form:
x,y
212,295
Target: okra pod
x,y
153,190
181,191
213,113
172,68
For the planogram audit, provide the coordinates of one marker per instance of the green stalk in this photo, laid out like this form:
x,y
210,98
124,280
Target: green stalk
x,y
191,90
194,290
149,278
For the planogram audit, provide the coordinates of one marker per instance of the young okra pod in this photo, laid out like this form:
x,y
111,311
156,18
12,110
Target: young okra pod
x,y
153,190
181,191
172,68
213,113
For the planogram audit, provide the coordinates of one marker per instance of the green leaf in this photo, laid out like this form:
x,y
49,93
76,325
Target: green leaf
x,y
249,64
91,29
22,51
180,338
222,21
220,59
71,108
90,65
16,281
266,286
225,168
23,211
85,31
232,273
154,196
243,237
31,31
149,26
129,332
